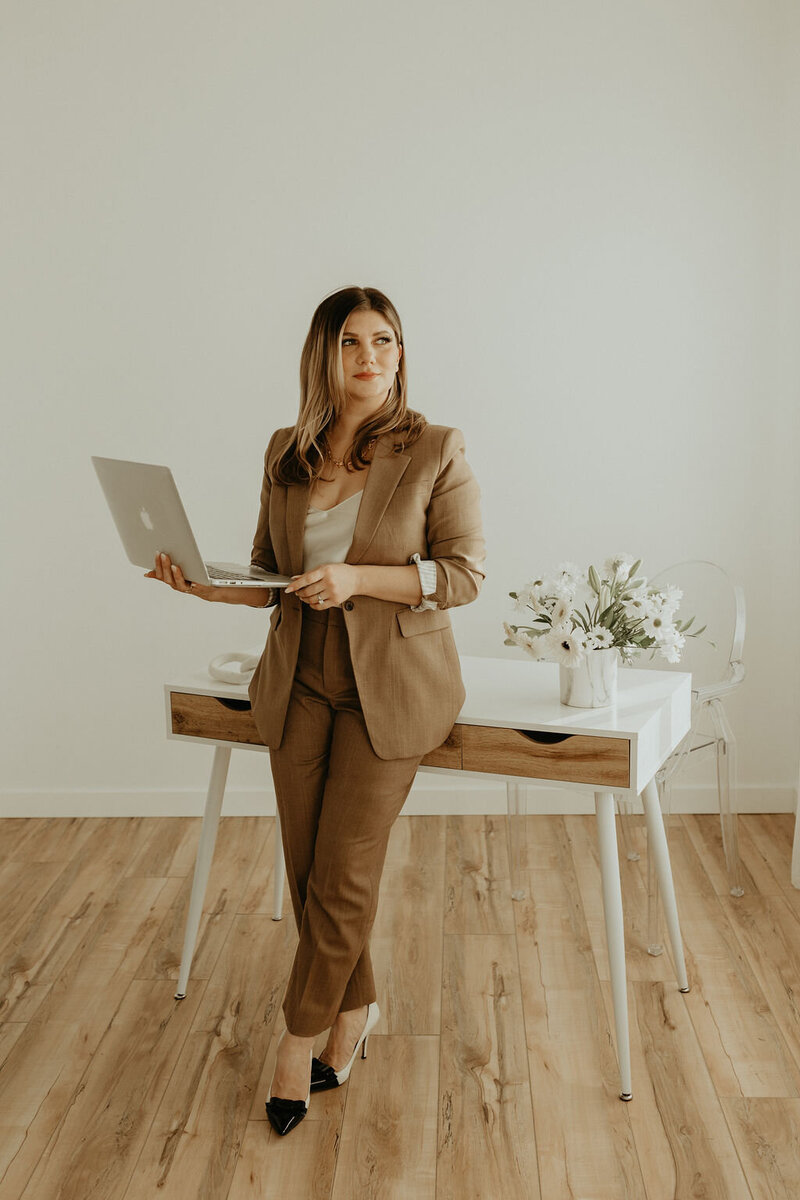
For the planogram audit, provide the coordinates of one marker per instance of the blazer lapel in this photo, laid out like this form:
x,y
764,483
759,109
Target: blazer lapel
x,y
383,477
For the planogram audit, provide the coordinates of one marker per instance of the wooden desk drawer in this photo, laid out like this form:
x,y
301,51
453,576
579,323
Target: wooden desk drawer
x,y
213,718
573,758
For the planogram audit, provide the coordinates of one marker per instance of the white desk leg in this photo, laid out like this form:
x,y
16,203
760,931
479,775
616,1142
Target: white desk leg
x,y
279,873
615,934
658,849
517,807
202,866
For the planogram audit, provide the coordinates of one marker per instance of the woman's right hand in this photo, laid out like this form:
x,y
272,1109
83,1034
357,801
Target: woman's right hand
x,y
173,575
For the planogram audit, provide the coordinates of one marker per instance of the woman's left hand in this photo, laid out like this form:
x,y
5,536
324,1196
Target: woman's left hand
x,y
326,586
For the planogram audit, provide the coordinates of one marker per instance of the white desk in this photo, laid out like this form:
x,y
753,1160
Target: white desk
x,y
511,727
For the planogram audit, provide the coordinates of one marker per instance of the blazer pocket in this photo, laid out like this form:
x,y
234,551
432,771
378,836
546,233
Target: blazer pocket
x,y
412,623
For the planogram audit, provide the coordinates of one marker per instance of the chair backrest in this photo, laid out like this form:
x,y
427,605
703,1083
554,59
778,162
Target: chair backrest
x,y
714,600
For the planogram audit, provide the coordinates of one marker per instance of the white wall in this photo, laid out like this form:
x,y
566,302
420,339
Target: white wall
x,y
586,215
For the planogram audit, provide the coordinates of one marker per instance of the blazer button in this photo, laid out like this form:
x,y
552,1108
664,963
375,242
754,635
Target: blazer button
x,y
348,604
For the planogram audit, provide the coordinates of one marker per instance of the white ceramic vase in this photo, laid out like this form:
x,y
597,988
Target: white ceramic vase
x,y
593,683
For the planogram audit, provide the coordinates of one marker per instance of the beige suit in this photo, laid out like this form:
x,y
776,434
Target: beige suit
x,y
351,697
425,500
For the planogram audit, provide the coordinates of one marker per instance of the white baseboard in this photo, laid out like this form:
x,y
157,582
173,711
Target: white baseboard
x,y
431,796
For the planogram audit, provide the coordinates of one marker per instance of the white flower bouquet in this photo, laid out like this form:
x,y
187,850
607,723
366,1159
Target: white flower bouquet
x,y
576,611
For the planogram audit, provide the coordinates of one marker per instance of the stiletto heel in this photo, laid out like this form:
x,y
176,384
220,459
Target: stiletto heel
x,y
285,1114
323,1075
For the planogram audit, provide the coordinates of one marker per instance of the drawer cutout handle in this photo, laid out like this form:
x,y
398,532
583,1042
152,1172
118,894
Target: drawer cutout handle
x,y
544,738
236,705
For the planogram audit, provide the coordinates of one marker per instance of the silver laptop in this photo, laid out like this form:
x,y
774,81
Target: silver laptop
x,y
150,518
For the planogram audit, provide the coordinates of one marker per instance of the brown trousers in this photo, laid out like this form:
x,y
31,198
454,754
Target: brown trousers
x,y
337,802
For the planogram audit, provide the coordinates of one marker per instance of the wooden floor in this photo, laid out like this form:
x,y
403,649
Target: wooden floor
x,y
492,1072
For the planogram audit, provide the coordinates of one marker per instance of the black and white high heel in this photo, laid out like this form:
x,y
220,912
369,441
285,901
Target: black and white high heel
x,y
285,1114
323,1075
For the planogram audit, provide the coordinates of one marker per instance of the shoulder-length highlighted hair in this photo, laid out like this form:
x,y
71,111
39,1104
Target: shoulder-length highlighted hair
x,y
323,396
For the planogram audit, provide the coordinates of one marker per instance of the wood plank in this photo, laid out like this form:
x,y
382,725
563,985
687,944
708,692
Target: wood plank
x,y
390,1119
44,1069
257,895
584,1141
769,933
23,884
239,844
44,943
118,1096
477,889
406,939
688,867
45,839
298,1167
765,848
765,845
767,1136
10,1032
681,1133
705,834
761,857
194,1140
744,1047
14,832
170,849
486,1144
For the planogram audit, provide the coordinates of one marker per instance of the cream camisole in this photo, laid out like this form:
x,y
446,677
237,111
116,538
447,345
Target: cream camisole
x,y
328,535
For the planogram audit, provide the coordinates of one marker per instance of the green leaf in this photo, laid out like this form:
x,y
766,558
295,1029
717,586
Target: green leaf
x,y
634,568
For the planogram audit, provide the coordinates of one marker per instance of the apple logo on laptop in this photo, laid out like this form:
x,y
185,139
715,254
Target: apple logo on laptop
x,y
145,519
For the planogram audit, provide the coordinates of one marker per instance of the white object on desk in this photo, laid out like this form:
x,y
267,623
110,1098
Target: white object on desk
x,y
219,668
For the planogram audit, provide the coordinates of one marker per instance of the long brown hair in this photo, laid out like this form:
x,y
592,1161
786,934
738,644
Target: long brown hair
x,y
323,396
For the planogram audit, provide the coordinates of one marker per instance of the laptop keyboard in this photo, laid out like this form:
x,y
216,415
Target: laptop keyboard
x,y
215,574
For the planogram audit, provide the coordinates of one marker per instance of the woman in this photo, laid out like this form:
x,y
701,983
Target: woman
x,y
375,514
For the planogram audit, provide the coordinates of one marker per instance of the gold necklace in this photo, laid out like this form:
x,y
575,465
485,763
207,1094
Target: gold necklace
x,y
339,462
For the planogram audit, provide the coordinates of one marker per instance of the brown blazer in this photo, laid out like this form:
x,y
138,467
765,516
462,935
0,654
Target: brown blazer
x,y
424,500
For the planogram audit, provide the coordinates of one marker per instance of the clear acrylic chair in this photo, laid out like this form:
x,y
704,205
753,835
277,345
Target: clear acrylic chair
x,y
711,596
